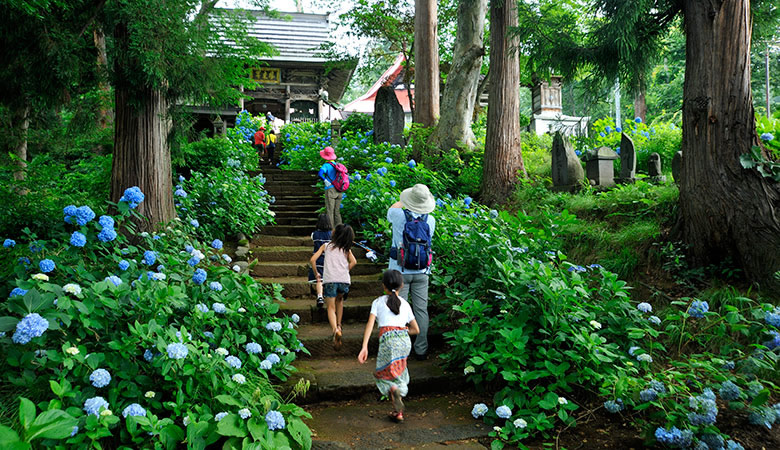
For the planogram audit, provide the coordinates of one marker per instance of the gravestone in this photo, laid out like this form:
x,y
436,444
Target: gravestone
x,y
335,132
677,166
567,173
600,167
654,169
627,159
388,117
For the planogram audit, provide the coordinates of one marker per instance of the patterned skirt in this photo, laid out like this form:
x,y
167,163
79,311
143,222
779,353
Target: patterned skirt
x,y
394,348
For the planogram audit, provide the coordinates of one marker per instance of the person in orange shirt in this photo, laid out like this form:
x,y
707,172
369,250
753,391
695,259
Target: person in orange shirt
x,y
260,143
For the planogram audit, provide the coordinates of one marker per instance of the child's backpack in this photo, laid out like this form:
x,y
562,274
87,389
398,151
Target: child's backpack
x,y
415,253
341,180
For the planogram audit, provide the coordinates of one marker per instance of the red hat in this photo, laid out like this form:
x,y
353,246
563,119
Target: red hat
x,y
328,153
262,128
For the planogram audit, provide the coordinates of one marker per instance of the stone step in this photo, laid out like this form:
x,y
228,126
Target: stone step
x,y
285,219
431,422
265,240
297,287
293,189
306,209
288,230
318,340
356,310
300,199
345,378
278,269
296,181
293,254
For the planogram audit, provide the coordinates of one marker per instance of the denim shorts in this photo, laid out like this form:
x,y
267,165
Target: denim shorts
x,y
333,289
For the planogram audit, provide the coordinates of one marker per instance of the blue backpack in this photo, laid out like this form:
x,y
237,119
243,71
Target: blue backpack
x,y
415,253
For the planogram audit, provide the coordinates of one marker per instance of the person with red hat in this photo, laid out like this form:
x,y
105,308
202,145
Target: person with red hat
x,y
332,196
260,142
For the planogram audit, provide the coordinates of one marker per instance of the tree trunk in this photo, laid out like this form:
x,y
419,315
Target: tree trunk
x,y
480,90
22,121
503,156
460,92
426,63
141,154
104,115
408,79
640,105
725,210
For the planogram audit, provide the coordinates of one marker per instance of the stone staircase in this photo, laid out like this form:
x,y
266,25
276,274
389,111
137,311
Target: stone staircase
x,y
342,392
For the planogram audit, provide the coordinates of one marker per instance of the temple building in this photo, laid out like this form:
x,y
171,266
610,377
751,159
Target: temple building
x,y
299,84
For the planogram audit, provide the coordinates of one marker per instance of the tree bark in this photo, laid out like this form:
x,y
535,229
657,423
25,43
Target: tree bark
x,y
141,154
640,105
22,121
426,63
503,155
460,92
725,210
104,115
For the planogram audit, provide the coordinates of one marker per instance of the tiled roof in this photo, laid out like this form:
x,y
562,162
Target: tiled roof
x,y
296,36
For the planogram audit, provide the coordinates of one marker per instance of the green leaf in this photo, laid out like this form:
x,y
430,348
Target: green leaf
x,y
300,433
56,388
52,424
549,401
228,400
26,412
761,398
8,435
257,430
172,435
8,323
477,360
230,425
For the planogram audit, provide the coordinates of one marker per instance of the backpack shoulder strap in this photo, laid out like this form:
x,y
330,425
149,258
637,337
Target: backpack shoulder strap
x,y
408,215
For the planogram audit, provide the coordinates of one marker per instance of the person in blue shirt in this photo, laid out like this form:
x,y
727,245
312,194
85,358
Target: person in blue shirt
x,y
418,201
332,196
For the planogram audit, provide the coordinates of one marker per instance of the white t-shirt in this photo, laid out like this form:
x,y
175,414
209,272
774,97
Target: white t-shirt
x,y
386,318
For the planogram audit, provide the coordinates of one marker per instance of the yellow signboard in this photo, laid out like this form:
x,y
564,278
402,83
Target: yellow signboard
x,y
267,75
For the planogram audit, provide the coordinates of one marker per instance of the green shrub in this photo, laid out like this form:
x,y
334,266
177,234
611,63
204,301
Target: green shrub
x,y
223,202
161,333
357,123
215,153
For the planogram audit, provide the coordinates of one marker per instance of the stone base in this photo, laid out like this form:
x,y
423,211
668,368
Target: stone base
x,y
625,180
660,179
568,188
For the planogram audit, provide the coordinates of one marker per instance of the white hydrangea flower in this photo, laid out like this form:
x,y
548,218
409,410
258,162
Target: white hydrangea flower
x,y
150,394
242,309
72,288
222,351
595,324
562,401
468,370
520,423
72,351
40,277
236,268
106,412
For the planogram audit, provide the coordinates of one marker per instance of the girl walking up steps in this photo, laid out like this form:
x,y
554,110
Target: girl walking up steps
x,y
396,322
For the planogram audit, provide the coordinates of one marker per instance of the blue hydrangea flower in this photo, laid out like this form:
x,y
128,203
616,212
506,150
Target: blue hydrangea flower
x,y
177,350
632,350
188,248
767,137
412,163
614,406
674,437
74,431
594,266
244,413
638,120
467,201
704,409
83,215
618,130
644,357
17,292
658,386
238,378
106,222
713,441
274,326
233,362
503,412
773,317
577,269
194,223
764,416
644,307
69,212
113,279
273,358
93,405
9,243
220,416
199,276
202,308
150,257
31,326
648,395
654,320
208,334
219,308
24,260
46,265
730,391
728,365
479,410
100,378
253,348
134,409
180,193
194,261
107,235
275,420
148,355
389,160
132,196
266,364
215,286
698,308
731,445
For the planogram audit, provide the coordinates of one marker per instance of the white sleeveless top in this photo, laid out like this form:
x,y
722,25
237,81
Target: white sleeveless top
x,y
336,266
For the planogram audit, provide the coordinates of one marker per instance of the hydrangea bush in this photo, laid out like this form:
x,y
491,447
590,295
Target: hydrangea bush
x,y
114,326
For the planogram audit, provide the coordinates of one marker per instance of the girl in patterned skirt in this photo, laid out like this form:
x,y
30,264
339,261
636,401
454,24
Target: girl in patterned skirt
x,y
396,322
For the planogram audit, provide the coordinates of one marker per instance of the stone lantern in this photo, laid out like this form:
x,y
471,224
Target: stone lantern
x,y
219,127
600,167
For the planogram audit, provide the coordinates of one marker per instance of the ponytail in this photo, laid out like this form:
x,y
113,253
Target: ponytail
x,y
393,280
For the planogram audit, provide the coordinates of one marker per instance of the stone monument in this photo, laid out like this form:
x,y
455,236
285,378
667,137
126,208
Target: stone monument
x,y
567,173
388,117
627,159
677,166
335,132
600,167
654,169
